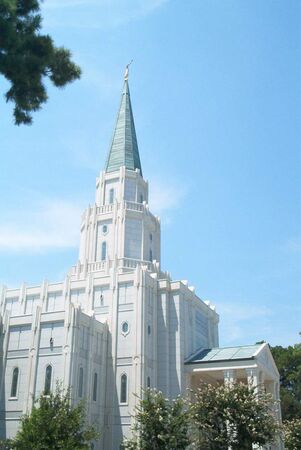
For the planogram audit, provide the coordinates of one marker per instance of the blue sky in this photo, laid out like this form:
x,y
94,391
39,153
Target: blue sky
x,y
215,88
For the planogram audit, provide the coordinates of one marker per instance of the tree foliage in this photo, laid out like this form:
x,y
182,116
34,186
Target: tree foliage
x,y
288,361
160,424
54,425
292,433
219,417
28,57
235,416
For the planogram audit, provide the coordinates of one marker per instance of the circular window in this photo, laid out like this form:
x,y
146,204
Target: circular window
x,y
125,327
105,229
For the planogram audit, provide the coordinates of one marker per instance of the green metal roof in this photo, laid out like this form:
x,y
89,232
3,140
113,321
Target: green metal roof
x,y
124,148
224,354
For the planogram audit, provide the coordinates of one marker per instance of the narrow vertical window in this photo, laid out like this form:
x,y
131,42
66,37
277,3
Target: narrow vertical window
x,y
14,384
48,375
150,255
111,196
95,387
80,382
103,251
148,382
123,388
141,198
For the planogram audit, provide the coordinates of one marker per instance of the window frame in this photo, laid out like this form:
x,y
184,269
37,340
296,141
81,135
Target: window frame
x,y
111,196
80,383
103,255
125,333
46,379
16,387
124,394
95,387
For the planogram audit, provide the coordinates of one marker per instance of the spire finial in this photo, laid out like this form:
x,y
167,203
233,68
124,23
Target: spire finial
x,y
126,74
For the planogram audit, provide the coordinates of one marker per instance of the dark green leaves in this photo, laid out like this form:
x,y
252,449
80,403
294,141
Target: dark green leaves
x,y
54,424
218,417
160,424
27,58
288,361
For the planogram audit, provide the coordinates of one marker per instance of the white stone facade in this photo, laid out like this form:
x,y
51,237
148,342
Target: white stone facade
x,y
115,325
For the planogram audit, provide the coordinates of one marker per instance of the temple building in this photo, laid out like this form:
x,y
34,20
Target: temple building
x,y
117,323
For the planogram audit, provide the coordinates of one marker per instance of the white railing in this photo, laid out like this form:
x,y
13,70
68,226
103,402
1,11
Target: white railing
x,y
103,266
89,267
140,207
104,209
96,266
129,263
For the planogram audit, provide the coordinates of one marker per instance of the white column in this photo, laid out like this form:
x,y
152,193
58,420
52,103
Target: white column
x,y
252,377
276,395
229,377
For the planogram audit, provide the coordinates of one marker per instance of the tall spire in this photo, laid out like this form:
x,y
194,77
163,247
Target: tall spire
x,y
124,148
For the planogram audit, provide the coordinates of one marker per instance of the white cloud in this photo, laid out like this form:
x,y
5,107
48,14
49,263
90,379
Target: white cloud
x,y
97,14
51,225
165,196
239,312
237,322
55,224
293,245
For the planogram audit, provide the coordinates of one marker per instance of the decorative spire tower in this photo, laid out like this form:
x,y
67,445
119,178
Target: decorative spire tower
x,y
124,148
119,230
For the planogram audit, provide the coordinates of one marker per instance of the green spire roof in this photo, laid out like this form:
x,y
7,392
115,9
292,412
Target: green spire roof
x,y
124,148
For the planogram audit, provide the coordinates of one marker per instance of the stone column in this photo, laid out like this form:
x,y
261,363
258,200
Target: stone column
x,y
229,377
252,377
189,387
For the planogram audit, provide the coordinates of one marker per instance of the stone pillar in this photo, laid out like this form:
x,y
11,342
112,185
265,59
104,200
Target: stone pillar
x,y
253,380
276,395
252,377
229,377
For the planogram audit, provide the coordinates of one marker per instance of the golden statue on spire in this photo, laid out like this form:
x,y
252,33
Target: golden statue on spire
x,y
126,74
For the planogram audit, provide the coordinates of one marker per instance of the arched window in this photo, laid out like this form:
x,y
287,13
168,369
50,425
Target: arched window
x,y
111,196
80,382
48,376
95,387
123,388
103,251
14,384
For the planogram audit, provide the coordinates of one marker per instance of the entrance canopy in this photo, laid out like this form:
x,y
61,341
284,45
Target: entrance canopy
x,y
248,363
